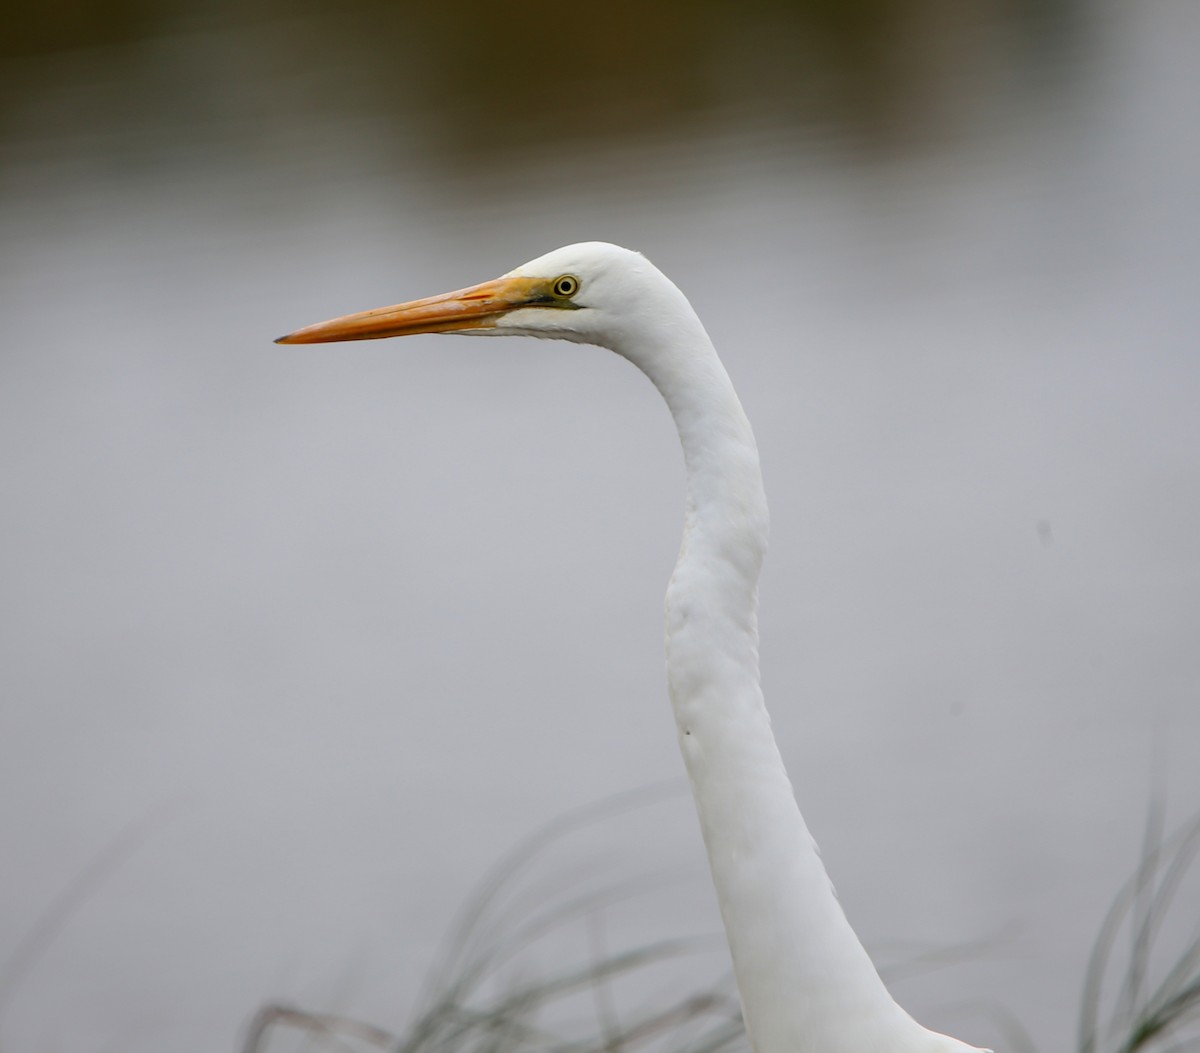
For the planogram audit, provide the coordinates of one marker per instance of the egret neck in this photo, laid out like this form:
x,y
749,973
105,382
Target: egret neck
x,y
807,985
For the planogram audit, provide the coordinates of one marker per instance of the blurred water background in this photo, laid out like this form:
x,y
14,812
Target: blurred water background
x,y
330,628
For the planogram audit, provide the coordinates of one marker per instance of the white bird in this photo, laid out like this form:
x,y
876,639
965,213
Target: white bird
x,y
806,983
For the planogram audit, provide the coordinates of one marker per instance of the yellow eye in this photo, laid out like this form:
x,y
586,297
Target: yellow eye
x,y
566,286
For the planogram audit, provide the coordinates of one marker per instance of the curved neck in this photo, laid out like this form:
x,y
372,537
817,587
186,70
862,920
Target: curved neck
x,y
807,985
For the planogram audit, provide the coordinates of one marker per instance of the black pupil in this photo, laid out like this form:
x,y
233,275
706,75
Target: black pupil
x,y
565,286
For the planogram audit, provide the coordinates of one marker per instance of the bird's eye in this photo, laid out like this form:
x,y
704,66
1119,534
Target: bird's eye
x,y
566,286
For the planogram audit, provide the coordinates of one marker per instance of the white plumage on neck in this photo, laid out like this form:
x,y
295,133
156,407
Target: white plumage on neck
x,y
806,982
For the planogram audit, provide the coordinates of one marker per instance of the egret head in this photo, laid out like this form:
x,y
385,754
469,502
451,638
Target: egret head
x,y
589,293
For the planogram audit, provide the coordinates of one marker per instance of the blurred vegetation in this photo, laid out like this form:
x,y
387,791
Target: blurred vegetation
x,y
1141,991
479,77
483,996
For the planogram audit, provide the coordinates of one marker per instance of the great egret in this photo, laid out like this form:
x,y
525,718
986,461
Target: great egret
x,y
806,983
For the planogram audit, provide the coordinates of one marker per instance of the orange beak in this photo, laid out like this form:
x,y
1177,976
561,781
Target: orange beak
x,y
475,308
